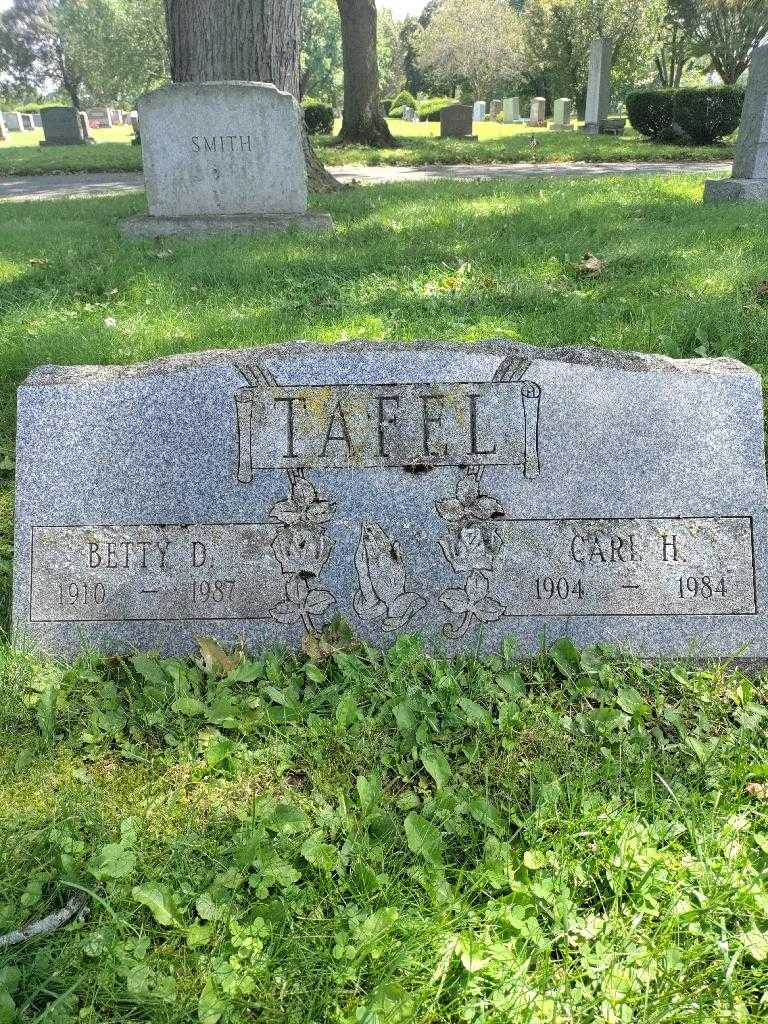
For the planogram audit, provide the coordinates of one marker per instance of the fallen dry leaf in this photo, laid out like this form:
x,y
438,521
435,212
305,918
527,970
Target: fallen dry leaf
x,y
591,264
761,291
759,790
38,261
214,657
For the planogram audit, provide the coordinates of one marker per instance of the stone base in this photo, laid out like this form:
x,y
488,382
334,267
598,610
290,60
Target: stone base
x,y
145,226
736,190
611,126
535,124
460,138
562,127
80,142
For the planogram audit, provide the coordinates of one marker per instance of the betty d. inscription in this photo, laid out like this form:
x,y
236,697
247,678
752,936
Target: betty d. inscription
x,y
273,571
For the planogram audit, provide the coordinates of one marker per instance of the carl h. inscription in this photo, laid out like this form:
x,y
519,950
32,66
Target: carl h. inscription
x,y
464,492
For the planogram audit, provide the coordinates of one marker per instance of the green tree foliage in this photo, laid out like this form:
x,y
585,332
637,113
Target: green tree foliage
x,y
322,72
479,42
391,52
725,31
559,33
97,50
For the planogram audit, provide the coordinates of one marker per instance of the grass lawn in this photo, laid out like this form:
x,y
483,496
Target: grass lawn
x,y
368,839
418,144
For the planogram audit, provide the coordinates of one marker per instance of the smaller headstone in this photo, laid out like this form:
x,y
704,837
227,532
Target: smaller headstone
x,y
15,121
478,111
3,129
562,121
222,157
456,122
84,126
63,126
28,121
749,181
99,117
496,108
538,115
133,121
511,110
37,121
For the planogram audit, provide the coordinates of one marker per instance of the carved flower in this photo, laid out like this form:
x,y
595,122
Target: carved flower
x,y
302,551
469,505
301,602
469,548
471,602
303,507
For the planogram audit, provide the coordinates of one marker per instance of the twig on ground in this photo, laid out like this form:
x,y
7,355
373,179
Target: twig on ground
x,y
47,924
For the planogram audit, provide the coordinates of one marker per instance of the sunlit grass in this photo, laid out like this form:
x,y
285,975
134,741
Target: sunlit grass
x,y
417,144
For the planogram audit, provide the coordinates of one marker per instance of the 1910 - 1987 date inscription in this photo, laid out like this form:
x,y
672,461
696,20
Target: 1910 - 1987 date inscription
x,y
250,571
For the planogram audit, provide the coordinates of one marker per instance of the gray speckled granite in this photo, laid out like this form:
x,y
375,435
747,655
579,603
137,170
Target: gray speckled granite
x,y
460,491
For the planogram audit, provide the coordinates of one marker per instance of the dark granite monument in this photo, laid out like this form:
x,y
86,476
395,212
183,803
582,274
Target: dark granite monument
x,y
63,126
456,122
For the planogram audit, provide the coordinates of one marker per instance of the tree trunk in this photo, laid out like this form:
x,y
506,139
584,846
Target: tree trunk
x,y
363,120
242,40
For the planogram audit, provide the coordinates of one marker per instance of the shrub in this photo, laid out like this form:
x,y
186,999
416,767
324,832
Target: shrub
x,y
429,110
693,115
707,115
651,112
386,106
318,117
403,99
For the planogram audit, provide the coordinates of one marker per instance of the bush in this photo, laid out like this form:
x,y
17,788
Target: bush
x,y
708,115
429,110
694,115
651,112
386,106
403,99
318,117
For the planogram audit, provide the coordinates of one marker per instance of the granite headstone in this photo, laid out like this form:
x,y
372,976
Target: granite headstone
x,y
15,122
538,114
596,119
456,122
62,126
562,116
749,180
3,129
222,157
465,492
496,109
478,110
511,110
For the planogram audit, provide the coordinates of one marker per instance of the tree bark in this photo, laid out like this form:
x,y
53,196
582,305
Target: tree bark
x,y
242,40
363,120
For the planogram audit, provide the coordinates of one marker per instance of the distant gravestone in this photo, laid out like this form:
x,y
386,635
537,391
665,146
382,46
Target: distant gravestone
x,y
478,111
3,129
538,115
99,117
28,122
62,126
37,120
15,122
511,110
222,156
562,116
496,108
456,122
463,492
596,120
85,128
749,180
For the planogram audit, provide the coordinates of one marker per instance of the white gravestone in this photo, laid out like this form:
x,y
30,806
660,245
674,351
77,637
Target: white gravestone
x,y
222,156
511,110
478,111
15,121
538,115
750,163
562,121
596,120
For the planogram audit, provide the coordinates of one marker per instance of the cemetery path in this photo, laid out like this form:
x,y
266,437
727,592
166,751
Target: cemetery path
x,y
80,186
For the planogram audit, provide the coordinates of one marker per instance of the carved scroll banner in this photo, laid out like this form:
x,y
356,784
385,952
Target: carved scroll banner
x,y
461,492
